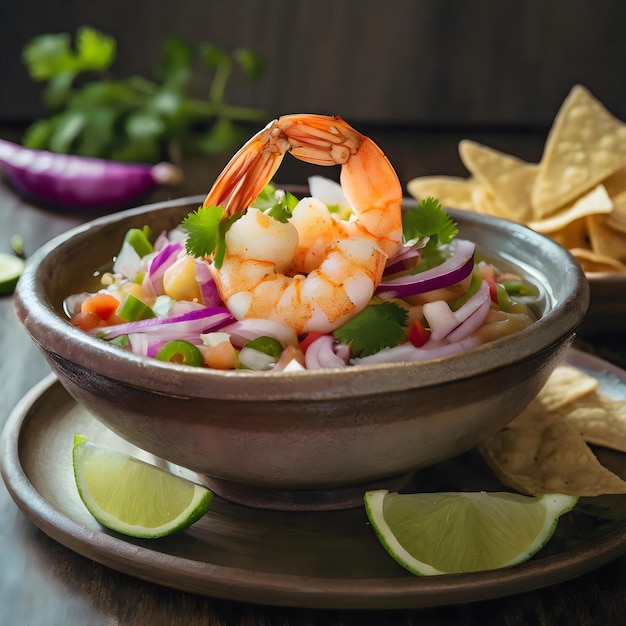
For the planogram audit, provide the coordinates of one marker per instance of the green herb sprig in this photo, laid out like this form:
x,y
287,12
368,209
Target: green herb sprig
x,y
136,119
381,324
429,226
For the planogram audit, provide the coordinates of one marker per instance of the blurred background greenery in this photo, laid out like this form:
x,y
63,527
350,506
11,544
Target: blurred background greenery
x,y
399,64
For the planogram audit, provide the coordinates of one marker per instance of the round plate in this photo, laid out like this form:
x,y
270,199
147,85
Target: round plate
x,y
327,559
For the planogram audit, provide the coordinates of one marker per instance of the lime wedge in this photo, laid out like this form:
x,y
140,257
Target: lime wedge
x,y
444,533
11,267
133,497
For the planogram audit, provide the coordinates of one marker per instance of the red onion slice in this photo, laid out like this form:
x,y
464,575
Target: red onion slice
x,y
176,327
160,263
208,288
84,183
397,263
450,272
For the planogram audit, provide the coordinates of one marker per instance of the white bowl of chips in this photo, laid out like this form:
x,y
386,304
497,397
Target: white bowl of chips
x,y
576,195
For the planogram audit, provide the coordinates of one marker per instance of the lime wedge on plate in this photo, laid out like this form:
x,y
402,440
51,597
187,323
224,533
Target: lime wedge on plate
x,y
444,533
133,497
11,267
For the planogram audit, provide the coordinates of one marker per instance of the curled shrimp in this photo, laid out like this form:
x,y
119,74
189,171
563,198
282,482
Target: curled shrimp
x,y
316,271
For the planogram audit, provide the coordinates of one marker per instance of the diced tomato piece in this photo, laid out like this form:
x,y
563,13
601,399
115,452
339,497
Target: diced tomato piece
x,y
104,305
309,339
85,320
418,334
493,289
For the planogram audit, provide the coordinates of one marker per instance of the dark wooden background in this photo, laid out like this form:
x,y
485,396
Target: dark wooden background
x,y
425,63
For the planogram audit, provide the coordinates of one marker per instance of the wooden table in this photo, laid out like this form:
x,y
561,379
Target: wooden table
x,y
42,582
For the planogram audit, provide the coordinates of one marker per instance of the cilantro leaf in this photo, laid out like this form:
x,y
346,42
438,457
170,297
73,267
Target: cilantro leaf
x,y
429,225
276,203
202,230
379,325
428,219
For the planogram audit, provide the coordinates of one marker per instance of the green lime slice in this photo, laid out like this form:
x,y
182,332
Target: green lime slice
x,y
11,268
132,497
444,533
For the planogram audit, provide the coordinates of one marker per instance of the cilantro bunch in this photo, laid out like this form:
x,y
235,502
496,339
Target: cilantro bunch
x,y
136,119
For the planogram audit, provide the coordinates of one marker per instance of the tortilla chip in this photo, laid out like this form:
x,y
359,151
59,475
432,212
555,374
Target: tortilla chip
x,y
600,420
484,201
509,178
605,239
592,203
540,452
585,145
574,235
451,191
592,262
566,384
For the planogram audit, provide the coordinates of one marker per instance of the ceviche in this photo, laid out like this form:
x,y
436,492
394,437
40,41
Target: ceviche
x,y
258,279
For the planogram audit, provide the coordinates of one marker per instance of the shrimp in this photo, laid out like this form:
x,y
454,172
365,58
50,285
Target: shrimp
x,y
311,278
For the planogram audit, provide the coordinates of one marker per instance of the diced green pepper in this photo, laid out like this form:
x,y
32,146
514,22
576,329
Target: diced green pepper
x,y
268,345
132,309
138,239
519,288
505,302
121,340
180,351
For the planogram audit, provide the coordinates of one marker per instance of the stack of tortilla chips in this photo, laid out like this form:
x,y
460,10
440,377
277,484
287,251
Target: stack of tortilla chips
x,y
576,194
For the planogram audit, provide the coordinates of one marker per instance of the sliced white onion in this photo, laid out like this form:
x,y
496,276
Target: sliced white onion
x,y
127,262
243,331
474,303
443,321
472,323
329,192
321,354
256,360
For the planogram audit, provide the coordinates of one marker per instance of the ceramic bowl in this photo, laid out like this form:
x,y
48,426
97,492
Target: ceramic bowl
x,y
300,440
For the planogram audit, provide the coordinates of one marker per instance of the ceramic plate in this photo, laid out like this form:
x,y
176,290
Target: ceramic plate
x,y
322,559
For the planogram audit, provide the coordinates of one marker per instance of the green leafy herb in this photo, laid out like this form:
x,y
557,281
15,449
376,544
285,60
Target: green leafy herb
x,y
203,228
135,118
428,222
379,325
276,203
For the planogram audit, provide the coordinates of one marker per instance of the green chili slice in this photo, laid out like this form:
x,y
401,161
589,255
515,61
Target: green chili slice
x,y
268,345
138,239
180,351
132,309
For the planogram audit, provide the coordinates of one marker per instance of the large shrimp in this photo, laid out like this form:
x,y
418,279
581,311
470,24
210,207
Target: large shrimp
x,y
266,272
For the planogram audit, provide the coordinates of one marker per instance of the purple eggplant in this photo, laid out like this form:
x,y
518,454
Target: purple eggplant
x,y
81,183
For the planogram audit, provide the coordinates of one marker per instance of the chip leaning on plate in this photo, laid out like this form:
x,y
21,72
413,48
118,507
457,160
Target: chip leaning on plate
x,y
576,194
545,448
